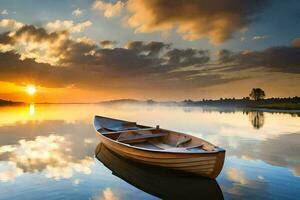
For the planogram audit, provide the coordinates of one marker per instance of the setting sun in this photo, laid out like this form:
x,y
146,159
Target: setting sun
x,y
31,89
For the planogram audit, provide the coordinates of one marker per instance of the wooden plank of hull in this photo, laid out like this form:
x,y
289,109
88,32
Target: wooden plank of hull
x,y
180,165
178,161
173,160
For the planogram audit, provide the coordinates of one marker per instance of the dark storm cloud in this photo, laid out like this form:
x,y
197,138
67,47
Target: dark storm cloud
x,y
194,19
187,56
277,59
152,48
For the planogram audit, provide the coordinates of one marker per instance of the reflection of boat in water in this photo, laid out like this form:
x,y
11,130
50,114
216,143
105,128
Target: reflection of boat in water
x,y
160,147
160,182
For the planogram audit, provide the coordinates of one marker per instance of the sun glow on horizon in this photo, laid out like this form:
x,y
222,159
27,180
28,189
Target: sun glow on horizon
x,y
31,90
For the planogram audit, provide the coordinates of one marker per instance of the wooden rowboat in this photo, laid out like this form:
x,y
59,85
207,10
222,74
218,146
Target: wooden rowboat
x,y
160,182
160,147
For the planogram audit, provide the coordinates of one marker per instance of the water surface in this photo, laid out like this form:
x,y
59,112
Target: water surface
x,y
48,152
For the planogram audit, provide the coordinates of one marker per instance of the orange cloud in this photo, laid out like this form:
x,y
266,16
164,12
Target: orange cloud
x,y
193,19
35,43
10,24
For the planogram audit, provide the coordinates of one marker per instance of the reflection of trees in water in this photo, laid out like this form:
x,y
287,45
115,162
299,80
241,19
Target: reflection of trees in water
x,y
256,118
295,114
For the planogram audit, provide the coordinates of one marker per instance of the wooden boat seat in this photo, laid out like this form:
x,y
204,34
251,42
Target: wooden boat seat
x,y
147,145
183,140
140,137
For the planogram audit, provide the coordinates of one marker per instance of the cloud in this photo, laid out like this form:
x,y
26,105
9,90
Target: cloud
x,y
36,43
194,19
108,43
109,9
276,59
259,37
149,48
85,40
4,12
67,25
82,63
10,24
77,12
6,47
30,53
187,56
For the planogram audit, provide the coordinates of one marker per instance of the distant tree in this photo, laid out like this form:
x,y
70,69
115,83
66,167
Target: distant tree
x,y
257,94
246,98
150,101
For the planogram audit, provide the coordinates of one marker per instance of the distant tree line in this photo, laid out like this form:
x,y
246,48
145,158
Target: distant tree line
x,y
5,102
256,97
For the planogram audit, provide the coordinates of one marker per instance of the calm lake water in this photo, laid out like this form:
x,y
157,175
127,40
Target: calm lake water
x,y
48,152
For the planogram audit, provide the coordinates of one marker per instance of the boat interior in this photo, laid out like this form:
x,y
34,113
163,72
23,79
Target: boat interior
x,y
153,138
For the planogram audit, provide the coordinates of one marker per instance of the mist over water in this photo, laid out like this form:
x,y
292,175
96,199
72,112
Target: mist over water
x,y
48,151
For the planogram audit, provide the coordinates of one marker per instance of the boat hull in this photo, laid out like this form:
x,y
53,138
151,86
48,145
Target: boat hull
x,y
160,182
204,164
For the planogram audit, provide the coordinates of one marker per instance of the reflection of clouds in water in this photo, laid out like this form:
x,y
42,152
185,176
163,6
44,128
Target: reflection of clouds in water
x,y
296,171
48,154
9,171
279,151
237,176
88,141
282,151
243,187
107,194
76,182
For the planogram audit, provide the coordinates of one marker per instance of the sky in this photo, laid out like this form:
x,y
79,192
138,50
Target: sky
x,y
95,50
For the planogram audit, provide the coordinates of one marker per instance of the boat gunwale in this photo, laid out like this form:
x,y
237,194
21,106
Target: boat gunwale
x,y
217,151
